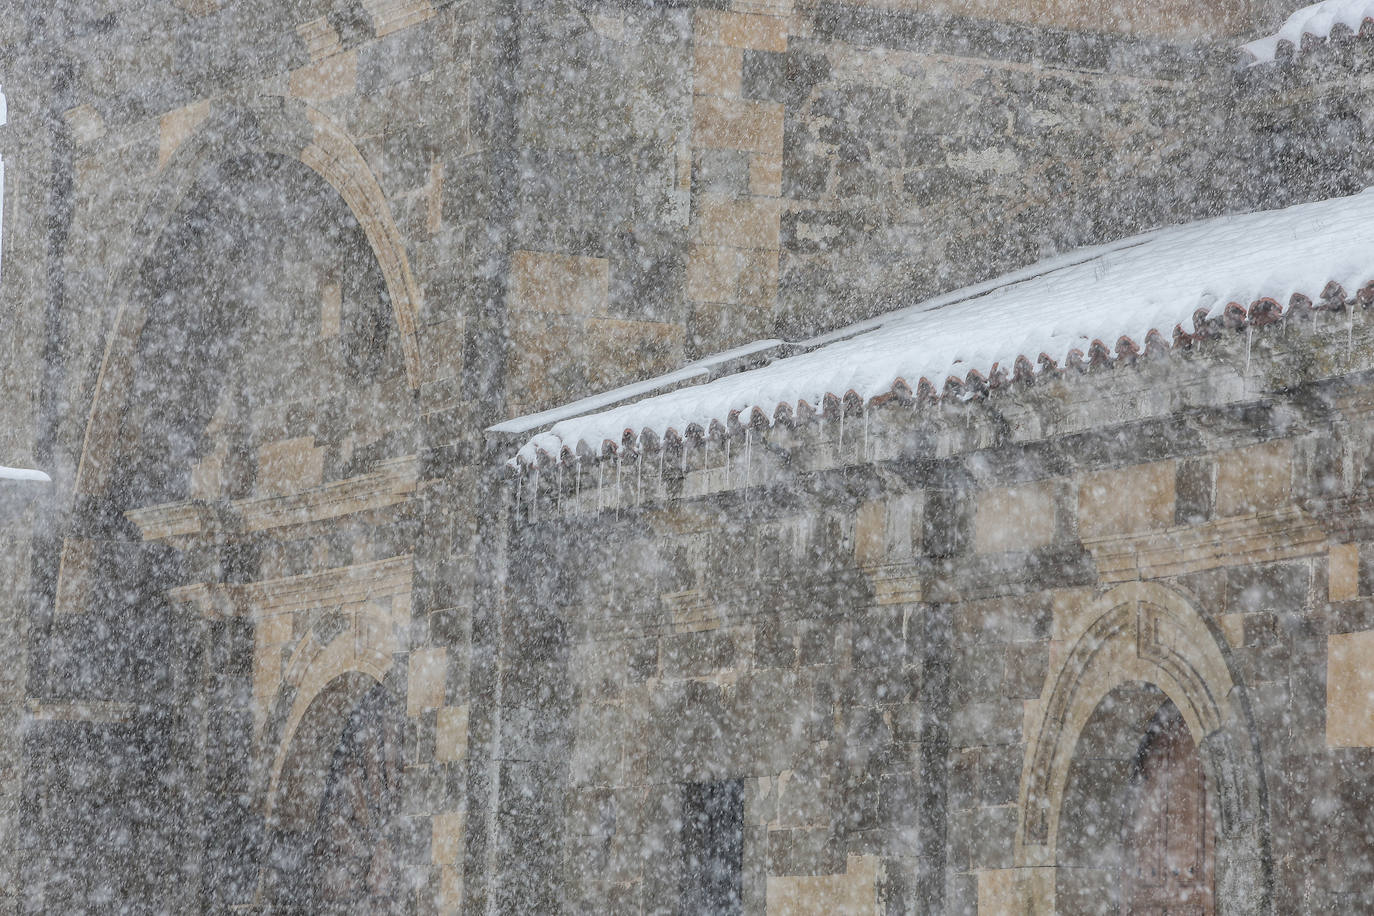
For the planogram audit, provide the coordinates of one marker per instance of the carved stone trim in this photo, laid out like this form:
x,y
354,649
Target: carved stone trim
x,y
393,482
342,587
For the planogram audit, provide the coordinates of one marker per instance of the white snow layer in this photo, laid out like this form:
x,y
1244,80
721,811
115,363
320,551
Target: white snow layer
x,y
1152,282
23,474
1317,20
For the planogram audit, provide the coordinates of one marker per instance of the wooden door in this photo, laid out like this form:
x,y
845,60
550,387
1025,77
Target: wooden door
x,y
354,855
1167,862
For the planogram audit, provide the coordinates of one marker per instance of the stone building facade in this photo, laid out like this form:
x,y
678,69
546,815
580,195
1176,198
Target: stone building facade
x,y
286,635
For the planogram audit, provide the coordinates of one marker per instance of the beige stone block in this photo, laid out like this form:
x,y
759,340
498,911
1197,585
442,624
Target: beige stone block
x,y
1026,891
393,15
718,70
740,124
758,279
559,283
1233,628
446,840
742,30
206,477
621,350
320,38
1350,689
853,893
546,363
1343,572
451,890
427,673
1126,500
330,78
451,734
198,7
289,466
1014,518
175,126
870,528
765,175
713,273
752,222
1254,479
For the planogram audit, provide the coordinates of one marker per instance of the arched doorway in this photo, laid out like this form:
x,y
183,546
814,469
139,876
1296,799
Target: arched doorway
x,y
1138,652
1136,831
1167,841
335,820
352,866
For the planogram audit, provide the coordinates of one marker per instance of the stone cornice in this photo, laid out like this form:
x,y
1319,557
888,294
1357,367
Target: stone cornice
x,y
341,587
393,482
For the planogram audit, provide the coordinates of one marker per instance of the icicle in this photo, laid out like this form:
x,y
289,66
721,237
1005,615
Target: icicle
x,y
1350,330
864,455
534,496
1249,335
840,448
617,483
600,482
663,449
558,504
727,463
577,469
639,477
519,479
748,459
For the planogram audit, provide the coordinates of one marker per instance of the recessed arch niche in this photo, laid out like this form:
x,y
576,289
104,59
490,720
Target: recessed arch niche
x,y
1140,647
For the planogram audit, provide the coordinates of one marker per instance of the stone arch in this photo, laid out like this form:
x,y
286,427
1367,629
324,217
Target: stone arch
x,y
263,124
1142,633
317,671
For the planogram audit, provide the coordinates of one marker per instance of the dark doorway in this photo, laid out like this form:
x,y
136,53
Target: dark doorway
x,y
713,848
353,860
1167,845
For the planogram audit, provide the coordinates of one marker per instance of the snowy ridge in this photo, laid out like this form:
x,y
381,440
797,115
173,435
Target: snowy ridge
x,y
1317,20
1150,291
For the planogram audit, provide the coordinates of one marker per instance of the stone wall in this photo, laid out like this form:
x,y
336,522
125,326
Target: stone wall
x,y
548,200
898,642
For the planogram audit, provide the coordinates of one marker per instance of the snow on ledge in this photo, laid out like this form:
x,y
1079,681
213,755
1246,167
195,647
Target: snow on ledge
x,y
1317,20
23,474
1118,299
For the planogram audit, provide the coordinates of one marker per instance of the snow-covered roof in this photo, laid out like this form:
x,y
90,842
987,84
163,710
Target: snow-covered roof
x,y
1318,20
23,474
1113,300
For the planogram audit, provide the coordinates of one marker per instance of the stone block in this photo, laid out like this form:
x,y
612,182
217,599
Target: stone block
x,y
854,892
1343,572
288,466
737,124
1350,690
1014,518
326,79
1127,500
393,15
1254,479
446,844
751,222
427,672
870,529
549,282
451,734
716,71
741,30
175,126
713,273
765,175
321,39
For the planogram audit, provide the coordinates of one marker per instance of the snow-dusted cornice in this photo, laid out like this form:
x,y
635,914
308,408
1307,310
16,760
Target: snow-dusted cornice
x,y
1155,291
1318,21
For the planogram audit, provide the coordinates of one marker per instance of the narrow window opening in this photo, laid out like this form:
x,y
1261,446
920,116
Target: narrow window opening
x,y
713,848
